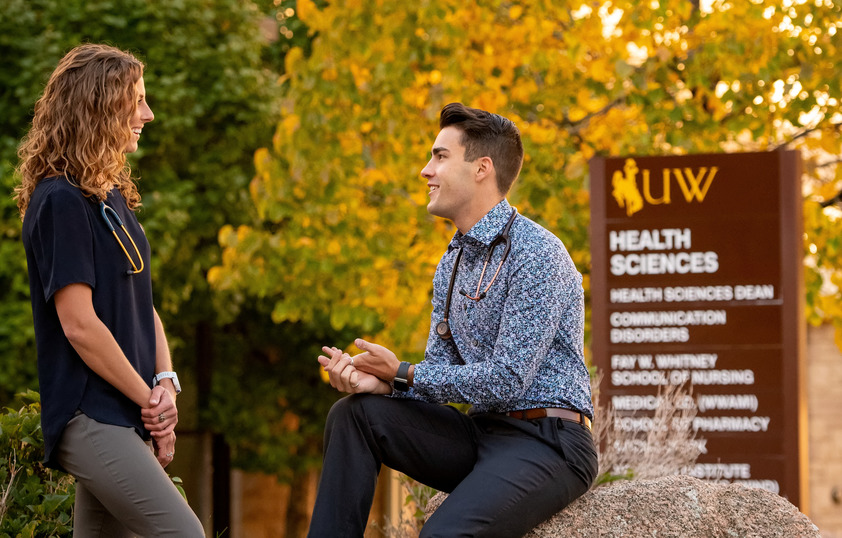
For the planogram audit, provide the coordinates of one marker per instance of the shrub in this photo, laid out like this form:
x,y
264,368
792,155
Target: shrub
x,y
34,500
411,515
669,446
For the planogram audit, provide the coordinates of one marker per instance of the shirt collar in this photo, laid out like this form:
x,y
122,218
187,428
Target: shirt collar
x,y
487,228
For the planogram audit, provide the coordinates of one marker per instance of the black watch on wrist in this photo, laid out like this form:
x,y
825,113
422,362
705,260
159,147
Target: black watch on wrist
x,y
401,380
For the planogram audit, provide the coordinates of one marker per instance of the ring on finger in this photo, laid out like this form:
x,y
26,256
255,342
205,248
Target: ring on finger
x,y
162,417
169,454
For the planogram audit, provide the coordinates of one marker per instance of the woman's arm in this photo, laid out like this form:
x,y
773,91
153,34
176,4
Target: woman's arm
x,y
96,345
100,351
163,361
162,401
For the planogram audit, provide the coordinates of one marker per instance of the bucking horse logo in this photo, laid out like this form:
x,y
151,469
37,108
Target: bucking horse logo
x,y
625,188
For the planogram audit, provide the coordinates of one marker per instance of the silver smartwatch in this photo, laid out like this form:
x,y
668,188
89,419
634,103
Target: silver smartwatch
x,y
164,375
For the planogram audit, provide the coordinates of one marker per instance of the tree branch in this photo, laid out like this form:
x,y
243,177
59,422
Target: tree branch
x,y
829,163
835,200
574,127
804,133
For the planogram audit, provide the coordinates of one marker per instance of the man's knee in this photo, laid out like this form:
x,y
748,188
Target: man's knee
x,y
357,409
344,408
370,404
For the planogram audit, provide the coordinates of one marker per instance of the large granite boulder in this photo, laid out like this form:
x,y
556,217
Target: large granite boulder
x,y
674,506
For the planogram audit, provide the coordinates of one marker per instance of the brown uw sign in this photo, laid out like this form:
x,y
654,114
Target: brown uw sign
x,y
697,278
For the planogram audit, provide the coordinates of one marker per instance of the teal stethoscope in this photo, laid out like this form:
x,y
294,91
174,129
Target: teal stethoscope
x,y
443,327
105,210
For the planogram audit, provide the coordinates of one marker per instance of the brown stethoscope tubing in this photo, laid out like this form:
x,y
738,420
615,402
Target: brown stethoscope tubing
x,y
443,327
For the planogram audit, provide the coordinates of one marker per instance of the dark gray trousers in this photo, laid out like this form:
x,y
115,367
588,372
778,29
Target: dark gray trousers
x,y
121,489
504,475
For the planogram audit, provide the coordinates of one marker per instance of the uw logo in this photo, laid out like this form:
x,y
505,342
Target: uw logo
x,y
694,186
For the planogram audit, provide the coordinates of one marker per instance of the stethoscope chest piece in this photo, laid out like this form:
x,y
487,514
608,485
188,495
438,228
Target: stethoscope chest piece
x,y
443,330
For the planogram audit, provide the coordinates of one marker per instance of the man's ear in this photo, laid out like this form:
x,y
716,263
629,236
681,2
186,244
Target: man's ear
x,y
484,169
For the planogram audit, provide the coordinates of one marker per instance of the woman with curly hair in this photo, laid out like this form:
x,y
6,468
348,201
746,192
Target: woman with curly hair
x,y
107,387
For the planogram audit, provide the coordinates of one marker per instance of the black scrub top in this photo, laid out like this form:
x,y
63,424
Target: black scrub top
x,y
67,241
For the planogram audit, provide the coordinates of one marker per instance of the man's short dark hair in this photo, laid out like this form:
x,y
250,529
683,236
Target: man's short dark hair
x,y
487,135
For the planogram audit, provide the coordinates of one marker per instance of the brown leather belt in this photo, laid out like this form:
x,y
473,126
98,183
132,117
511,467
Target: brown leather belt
x,y
563,414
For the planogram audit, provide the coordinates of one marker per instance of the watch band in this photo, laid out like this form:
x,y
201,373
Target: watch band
x,y
401,380
167,375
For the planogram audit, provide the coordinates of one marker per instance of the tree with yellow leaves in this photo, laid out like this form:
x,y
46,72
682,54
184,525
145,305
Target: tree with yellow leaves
x,y
342,231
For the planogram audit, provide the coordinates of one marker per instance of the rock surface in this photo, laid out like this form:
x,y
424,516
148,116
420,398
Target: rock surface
x,y
674,506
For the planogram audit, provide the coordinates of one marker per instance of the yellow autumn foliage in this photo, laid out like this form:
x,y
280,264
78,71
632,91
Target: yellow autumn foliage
x,y
342,231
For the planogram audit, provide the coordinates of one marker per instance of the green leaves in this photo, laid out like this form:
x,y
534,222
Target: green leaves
x,y
34,500
210,82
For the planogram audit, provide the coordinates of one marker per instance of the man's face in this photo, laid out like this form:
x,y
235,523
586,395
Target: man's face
x,y
449,177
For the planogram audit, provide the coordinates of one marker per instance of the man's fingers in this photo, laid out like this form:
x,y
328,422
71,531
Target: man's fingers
x,y
335,371
336,356
339,361
368,348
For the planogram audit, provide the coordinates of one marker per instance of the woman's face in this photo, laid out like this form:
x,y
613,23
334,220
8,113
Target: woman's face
x,y
142,115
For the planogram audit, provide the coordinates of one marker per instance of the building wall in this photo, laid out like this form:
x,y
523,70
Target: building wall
x,y
263,507
260,505
824,412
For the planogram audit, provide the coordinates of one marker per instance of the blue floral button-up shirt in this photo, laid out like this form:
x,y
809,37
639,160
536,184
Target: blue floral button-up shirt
x,y
521,346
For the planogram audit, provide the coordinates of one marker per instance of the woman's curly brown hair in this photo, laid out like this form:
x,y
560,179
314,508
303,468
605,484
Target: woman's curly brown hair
x,y
81,125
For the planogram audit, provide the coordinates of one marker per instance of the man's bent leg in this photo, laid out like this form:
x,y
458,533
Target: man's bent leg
x,y
526,471
431,443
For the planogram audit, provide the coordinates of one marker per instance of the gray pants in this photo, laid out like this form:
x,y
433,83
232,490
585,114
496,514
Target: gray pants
x,y
121,489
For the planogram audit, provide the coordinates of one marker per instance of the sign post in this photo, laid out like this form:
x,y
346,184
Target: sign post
x,y
697,278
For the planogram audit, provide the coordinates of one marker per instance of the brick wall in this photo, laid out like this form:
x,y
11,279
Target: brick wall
x,y
824,411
